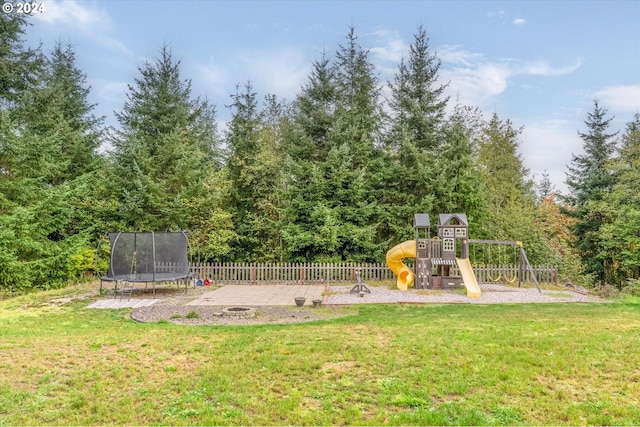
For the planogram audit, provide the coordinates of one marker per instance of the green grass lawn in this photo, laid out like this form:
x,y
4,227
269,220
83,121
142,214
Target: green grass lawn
x,y
541,364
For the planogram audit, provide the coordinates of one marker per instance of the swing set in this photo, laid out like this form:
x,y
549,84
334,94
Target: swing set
x,y
501,260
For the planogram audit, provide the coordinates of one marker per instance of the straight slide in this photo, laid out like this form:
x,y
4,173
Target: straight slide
x,y
468,278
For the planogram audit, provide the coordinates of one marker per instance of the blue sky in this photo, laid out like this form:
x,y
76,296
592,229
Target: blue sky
x,y
538,63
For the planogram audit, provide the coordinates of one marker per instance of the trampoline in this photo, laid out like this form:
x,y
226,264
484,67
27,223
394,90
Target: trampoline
x,y
148,257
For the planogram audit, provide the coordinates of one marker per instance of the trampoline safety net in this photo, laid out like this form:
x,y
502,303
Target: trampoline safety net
x,y
148,257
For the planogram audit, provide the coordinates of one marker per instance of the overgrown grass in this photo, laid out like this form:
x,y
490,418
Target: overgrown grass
x,y
560,364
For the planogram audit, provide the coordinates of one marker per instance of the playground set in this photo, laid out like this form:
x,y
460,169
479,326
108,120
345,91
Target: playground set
x,y
443,262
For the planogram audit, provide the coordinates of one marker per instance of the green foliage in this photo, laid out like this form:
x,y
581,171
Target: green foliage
x,y
332,211
589,179
328,177
619,237
48,155
165,151
18,63
256,175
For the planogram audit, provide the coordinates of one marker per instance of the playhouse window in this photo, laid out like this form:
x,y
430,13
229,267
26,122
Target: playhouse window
x,y
461,232
447,232
448,245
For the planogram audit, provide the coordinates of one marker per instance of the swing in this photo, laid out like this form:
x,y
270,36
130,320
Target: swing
x,y
515,275
488,270
475,258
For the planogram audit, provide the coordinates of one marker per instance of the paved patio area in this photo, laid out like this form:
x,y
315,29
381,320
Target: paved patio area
x,y
260,295
252,295
123,303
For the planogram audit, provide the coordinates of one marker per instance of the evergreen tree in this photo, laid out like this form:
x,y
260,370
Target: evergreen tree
x,y
457,186
545,188
58,121
417,101
358,114
255,170
414,140
587,176
165,150
620,240
310,230
48,183
315,109
510,200
18,63
332,155
588,179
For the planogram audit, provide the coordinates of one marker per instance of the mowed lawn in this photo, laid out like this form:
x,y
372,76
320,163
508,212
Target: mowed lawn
x,y
541,364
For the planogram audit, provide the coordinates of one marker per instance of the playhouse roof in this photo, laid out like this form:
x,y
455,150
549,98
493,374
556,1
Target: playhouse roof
x,y
445,219
421,220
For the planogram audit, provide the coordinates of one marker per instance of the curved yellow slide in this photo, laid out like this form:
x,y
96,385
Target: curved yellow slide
x,y
395,256
468,278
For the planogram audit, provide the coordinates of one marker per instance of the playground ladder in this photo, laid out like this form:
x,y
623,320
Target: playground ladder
x,y
127,286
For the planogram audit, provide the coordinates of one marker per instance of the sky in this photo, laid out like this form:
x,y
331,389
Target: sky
x,y
540,64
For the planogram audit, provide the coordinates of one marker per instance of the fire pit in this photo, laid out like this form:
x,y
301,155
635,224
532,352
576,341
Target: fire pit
x,y
239,311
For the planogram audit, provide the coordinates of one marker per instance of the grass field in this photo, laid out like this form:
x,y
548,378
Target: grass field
x,y
538,364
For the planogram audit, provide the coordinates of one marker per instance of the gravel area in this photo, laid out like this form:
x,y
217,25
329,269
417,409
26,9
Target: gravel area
x,y
213,315
172,307
491,294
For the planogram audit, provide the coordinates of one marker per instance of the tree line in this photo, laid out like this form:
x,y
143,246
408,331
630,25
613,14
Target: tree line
x,y
335,174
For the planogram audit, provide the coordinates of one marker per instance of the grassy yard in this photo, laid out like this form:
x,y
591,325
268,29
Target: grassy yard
x,y
386,365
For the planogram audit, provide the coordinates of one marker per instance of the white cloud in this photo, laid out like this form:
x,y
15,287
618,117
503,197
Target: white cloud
x,y
85,17
73,12
476,85
113,92
542,68
214,78
548,145
496,14
454,55
620,98
391,47
282,72
476,80
519,21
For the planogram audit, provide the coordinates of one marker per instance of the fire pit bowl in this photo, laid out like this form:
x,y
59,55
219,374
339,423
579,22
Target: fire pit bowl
x,y
239,311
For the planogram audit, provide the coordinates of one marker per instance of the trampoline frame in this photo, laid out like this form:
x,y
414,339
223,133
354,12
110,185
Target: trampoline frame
x,y
154,276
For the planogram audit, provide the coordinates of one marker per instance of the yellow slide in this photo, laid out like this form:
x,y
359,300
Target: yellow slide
x,y
394,262
468,278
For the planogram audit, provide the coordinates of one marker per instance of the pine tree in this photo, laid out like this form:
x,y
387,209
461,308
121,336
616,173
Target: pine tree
x,y
417,101
165,150
457,187
255,170
48,181
587,176
414,140
18,63
58,121
332,212
620,240
588,180
310,231
510,199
